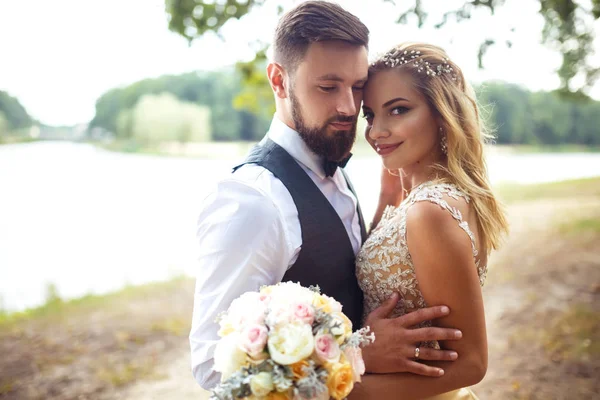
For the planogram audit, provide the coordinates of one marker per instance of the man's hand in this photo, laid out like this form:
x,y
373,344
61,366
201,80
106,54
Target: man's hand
x,y
396,340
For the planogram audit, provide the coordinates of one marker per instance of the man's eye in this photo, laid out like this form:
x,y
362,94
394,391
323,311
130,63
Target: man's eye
x,y
358,88
327,88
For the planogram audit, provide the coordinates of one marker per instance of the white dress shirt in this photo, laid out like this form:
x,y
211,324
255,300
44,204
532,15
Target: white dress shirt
x,y
249,235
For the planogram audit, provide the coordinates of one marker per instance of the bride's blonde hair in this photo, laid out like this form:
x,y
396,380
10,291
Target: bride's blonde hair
x,y
453,101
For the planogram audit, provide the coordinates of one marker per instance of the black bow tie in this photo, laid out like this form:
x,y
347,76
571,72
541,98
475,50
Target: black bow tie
x,y
331,166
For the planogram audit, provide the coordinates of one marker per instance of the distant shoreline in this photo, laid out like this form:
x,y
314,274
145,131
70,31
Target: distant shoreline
x,y
236,149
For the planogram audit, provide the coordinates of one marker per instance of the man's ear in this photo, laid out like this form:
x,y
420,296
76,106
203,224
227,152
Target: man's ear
x,y
276,74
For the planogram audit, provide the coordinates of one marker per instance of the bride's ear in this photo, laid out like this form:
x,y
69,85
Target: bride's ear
x,y
276,75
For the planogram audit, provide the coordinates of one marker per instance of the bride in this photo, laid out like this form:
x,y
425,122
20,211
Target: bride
x,y
432,245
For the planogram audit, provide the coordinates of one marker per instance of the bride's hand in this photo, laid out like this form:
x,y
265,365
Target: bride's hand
x,y
391,187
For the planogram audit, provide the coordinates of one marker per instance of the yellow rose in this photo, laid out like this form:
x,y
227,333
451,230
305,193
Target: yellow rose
x,y
226,329
298,369
278,396
320,302
346,329
228,356
261,384
340,380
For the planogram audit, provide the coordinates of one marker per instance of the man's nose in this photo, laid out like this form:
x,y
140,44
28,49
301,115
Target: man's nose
x,y
346,104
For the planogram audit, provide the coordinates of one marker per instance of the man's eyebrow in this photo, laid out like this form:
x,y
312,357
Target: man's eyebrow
x,y
337,78
330,77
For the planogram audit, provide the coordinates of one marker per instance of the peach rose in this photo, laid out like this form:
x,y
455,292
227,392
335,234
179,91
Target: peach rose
x,y
354,357
339,381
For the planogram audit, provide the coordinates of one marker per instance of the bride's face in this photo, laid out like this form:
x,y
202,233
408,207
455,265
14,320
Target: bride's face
x,y
401,126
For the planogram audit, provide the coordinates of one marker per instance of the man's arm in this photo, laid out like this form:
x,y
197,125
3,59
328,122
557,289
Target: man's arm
x,y
444,265
242,246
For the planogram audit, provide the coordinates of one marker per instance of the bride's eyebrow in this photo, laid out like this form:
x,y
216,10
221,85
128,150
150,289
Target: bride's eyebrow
x,y
392,101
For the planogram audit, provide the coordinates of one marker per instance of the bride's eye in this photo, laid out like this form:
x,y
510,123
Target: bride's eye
x,y
368,116
398,110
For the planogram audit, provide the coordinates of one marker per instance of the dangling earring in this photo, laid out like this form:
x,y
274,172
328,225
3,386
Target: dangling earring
x,y
443,141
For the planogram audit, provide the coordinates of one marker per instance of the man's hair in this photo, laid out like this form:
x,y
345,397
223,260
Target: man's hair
x,y
315,21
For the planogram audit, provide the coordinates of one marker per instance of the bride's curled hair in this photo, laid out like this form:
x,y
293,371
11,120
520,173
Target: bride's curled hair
x,y
453,100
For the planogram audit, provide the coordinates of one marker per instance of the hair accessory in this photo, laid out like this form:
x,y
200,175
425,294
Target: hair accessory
x,y
443,142
395,57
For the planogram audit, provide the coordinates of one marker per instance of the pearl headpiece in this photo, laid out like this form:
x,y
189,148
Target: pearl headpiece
x,y
395,57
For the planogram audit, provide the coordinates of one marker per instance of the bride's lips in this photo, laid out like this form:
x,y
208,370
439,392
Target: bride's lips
x,y
385,149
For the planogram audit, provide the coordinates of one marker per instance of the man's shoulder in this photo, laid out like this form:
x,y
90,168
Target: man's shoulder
x,y
252,177
251,186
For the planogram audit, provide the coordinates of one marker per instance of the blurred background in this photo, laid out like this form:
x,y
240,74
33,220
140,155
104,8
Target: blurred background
x,y
118,117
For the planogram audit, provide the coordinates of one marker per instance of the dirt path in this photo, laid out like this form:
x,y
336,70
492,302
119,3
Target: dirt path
x,y
530,303
542,300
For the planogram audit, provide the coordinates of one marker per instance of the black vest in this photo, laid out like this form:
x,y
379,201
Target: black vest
x,y
326,257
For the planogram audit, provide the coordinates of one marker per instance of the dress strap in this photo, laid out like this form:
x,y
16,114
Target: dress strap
x,y
434,193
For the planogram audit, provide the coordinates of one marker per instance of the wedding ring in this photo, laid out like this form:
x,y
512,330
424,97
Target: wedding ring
x,y
417,352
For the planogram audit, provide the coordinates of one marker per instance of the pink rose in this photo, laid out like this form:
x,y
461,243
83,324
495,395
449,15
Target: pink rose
x,y
254,339
326,348
303,312
354,357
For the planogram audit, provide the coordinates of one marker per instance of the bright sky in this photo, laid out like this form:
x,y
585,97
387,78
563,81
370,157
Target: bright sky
x,y
57,57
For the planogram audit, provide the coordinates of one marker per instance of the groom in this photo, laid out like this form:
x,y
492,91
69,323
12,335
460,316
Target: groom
x,y
289,211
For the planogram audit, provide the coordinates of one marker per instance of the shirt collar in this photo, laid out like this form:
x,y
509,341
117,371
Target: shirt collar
x,y
291,142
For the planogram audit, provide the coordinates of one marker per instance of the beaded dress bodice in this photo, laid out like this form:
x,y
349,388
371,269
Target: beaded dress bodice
x,y
384,264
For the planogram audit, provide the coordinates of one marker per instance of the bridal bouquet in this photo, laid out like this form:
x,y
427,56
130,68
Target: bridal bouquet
x,y
287,342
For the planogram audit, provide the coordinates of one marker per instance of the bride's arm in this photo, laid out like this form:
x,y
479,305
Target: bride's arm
x,y
391,193
443,260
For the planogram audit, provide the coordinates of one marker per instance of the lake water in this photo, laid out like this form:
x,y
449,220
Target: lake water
x,y
91,221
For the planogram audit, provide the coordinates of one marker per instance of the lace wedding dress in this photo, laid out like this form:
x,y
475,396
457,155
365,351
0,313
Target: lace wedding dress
x,y
384,263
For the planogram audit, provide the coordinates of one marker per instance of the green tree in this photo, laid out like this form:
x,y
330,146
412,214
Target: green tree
x,y
3,125
509,112
568,28
14,113
214,90
163,117
521,117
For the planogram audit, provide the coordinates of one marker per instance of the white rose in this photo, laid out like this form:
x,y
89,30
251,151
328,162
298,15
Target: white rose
x,y
261,384
290,343
228,355
245,310
335,305
290,292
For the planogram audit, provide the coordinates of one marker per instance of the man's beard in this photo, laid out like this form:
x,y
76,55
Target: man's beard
x,y
332,148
